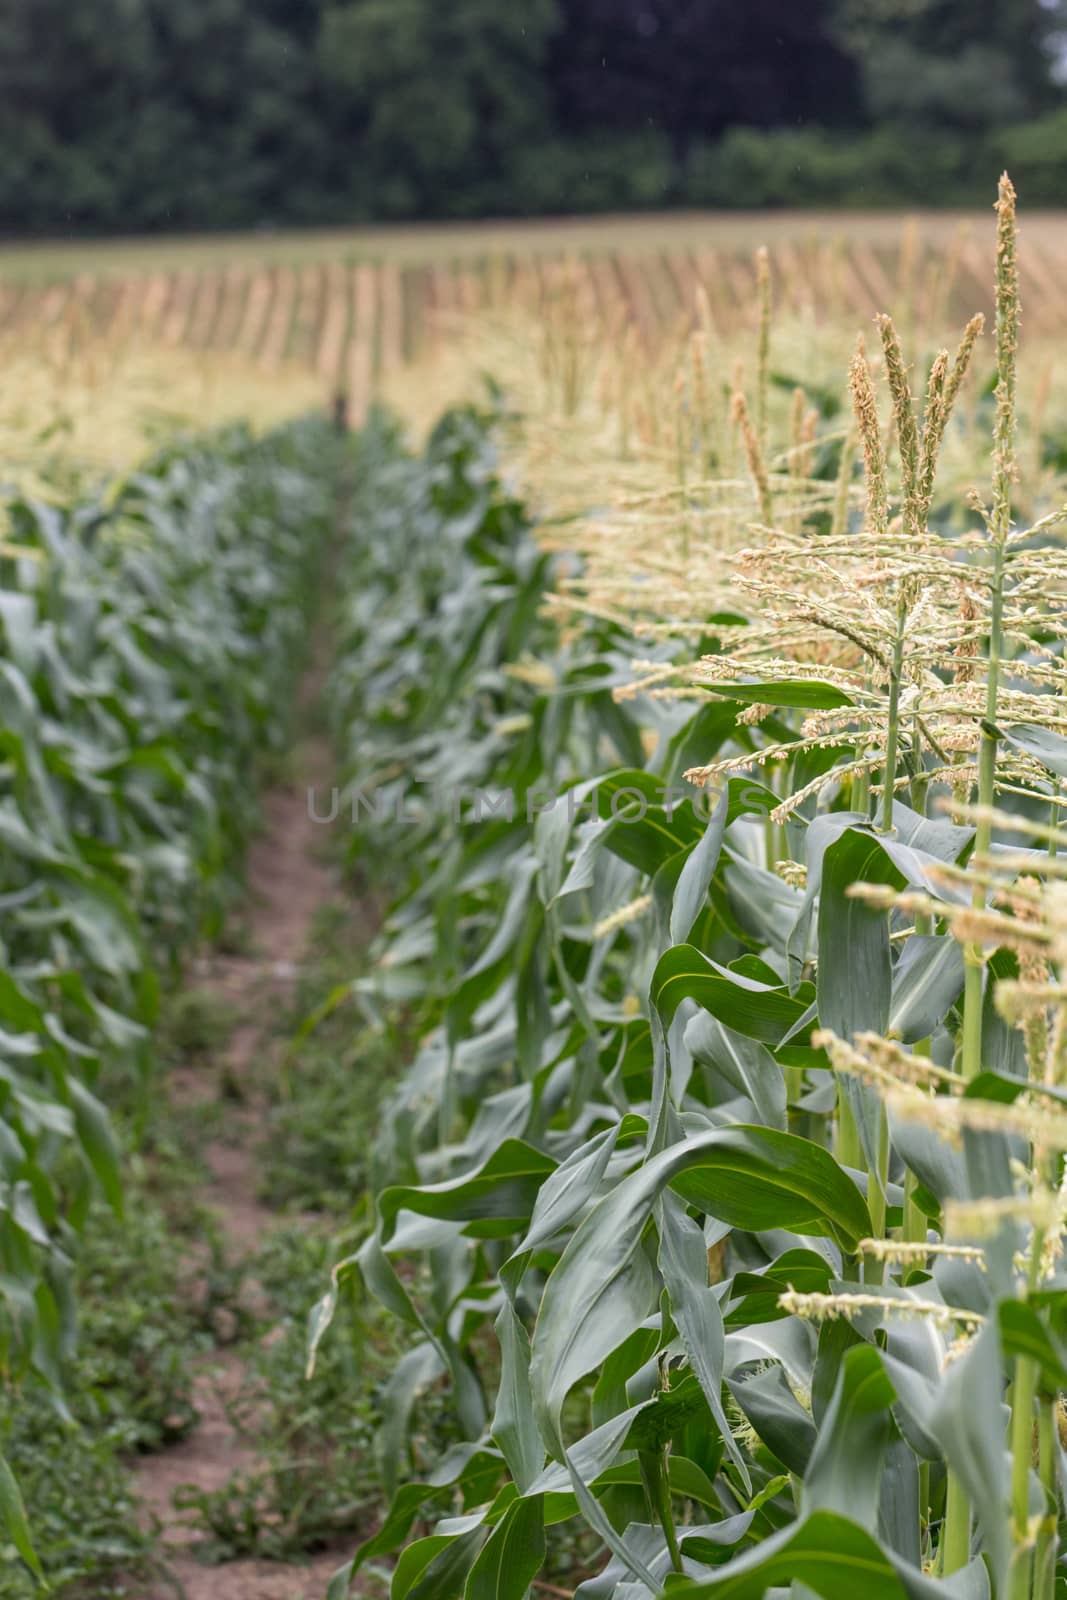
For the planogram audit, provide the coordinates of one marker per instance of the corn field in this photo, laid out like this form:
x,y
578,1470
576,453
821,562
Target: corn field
x,y
354,321
697,698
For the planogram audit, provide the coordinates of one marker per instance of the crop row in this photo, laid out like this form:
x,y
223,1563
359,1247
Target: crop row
x,y
725,1193
150,634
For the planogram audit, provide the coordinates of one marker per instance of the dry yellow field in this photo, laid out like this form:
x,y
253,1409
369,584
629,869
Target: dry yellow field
x,y
418,244
105,342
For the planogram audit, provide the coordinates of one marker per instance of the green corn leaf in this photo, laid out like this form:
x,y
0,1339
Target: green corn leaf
x,y
512,1556
98,1141
493,1201
514,1427
844,1473
683,1262
926,983
777,1416
1022,1333
1046,747
972,1438
696,875
831,1556
436,1568
15,1523
855,986
757,1010
606,1283
807,694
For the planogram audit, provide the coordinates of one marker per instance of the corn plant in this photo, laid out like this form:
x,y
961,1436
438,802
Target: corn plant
x,y
150,632
726,1190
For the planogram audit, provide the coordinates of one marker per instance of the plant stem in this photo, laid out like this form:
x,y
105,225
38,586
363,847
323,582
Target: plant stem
x,y
1045,1554
877,1177
775,844
955,1547
1022,1449
919,783
653,1465
924,1507
849,1151
987,766
1024,1390
880,1177
794,1084
999,528
861,783
915,1224
892,743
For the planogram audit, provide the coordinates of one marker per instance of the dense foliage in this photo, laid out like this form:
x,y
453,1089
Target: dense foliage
x,y
119,115
725,1191
150,632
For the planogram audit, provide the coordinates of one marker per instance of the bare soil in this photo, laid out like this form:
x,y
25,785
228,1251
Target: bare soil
x,y
287,883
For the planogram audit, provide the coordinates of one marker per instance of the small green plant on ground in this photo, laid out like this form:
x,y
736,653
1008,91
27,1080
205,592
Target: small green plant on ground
x,y
86,1523
126,1387
314,1438
335,1071
141,1326
194,1024
314,1434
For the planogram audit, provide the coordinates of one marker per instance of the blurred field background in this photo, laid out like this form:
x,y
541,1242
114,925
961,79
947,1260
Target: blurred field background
x,y
249,208
109,345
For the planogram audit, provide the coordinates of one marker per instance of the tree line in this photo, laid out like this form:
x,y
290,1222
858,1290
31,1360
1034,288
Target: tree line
x,y
130,115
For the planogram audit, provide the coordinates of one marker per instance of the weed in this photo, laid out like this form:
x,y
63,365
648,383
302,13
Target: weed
x,y
195,1024
315,1438
126,1388
322,1124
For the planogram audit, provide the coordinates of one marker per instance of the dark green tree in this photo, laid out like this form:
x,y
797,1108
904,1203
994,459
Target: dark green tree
x,y
435,98
953,64
691,70
120,115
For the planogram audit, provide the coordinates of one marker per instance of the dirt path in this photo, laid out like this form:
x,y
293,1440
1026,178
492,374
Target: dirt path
x,y
287,883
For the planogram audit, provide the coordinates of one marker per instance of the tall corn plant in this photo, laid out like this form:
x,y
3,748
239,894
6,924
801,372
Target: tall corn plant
x,y
765,1213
